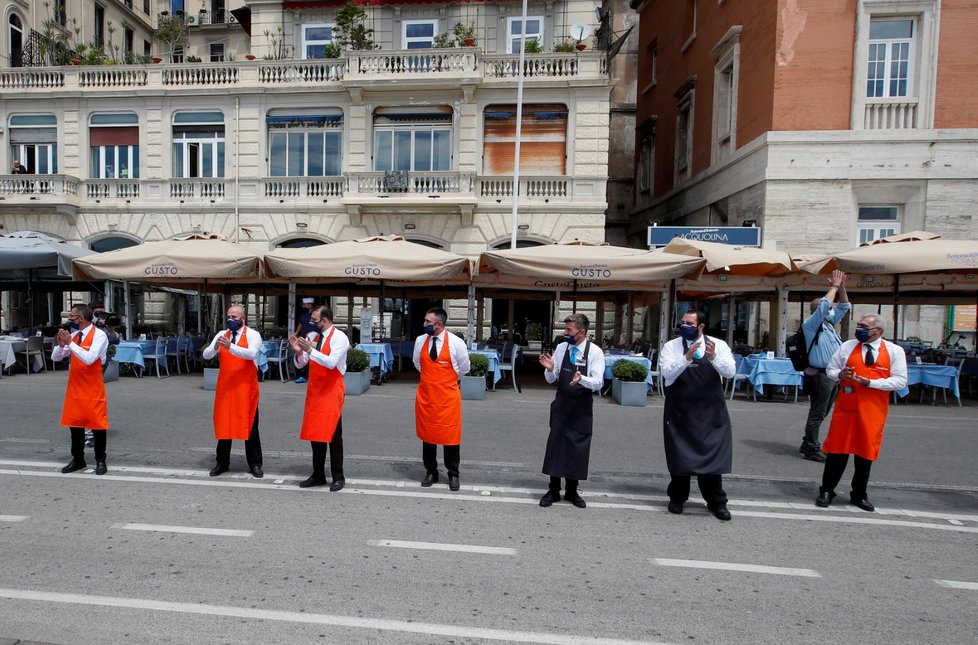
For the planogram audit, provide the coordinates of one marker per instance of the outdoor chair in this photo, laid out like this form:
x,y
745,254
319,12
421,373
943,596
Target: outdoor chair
x,y
34,347
742,376
283,359
510,350
159,354
655,373
957,363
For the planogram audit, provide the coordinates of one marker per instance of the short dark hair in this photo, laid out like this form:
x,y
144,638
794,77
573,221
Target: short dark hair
x,y
84,311
580,320
700,316
440,314
325,313
95,304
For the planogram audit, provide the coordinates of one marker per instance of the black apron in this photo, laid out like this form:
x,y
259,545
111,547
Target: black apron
x,y
696,425
569,444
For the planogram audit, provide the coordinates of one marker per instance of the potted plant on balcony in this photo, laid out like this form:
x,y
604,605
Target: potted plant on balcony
x,y
473,384
172,32
564,47
332,50
444,41
532,46
465,32
357,377
250,56
193,59
628,387
211,369
351,31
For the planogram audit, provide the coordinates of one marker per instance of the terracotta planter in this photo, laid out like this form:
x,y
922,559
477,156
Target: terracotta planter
x,y
76,61
469,42
157,60
250,56
581,47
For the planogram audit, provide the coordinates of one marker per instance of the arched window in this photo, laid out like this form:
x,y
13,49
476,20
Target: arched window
x,y
112,244
520,244
15,41
428,243
300,243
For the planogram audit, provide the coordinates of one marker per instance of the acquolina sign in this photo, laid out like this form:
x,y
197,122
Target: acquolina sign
x,y
737,235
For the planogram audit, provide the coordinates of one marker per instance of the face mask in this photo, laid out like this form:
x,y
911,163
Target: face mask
x,y
688,332
570,339
233,324
72,326
862,334
429,329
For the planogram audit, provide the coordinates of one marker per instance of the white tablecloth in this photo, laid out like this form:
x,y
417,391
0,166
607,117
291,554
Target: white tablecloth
x,y
11,348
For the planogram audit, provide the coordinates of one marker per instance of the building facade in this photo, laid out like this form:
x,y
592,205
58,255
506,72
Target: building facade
x,y
827,124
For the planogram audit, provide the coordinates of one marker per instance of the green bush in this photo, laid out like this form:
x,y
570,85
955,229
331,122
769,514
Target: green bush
x,y
628,371
357,360
532,46
478,365
214,362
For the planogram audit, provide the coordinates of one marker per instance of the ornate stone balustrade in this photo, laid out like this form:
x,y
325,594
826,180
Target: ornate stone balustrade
x,y
890,115
531,188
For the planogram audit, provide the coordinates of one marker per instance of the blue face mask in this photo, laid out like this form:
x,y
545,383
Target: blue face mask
x,y
72,326
572,340
429,329
233,324
862,334
688,332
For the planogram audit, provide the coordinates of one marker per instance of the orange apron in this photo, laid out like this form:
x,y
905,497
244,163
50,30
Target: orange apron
x,y
236,399
860,413
324,399
438,402
85,405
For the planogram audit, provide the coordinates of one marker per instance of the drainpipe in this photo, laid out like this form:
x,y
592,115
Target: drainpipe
x,y
237,167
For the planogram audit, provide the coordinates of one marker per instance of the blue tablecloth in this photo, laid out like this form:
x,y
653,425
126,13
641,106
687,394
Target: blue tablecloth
x,y
943,376
381,356
493,357
132,351
611,359
268,349
401,350
763,371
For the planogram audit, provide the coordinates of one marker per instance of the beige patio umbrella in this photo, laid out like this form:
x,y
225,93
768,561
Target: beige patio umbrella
x,y
734,260
915,252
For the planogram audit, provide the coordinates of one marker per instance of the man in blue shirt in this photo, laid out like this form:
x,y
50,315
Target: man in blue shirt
x,y
302,330
822,322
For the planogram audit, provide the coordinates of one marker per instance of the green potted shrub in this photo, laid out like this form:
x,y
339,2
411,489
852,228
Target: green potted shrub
x,y
465,33
332,50
473,384
628,387
564,47
357,377
211,368
533,46
194,59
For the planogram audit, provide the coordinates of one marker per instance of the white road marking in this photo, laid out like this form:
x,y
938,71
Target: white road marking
x,y
436,546
956,584
13,518
15,440
196,530
733,566
249,613
385,458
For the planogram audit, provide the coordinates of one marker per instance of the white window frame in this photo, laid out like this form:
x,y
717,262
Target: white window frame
x,y
726,86
104,152
49,151
196,142
414,129
869,230
887,63
406,40
223,55
305,149
511,37
686,104
306,42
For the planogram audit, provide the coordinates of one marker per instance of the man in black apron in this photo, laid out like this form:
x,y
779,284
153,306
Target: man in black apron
x,y
696,426
577,366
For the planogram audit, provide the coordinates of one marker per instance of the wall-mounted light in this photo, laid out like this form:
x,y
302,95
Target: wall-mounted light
x,y
409,227
524,227
301,225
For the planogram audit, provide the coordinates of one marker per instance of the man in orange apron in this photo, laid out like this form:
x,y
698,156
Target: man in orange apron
x,y
322,418
85,404
868,369
441,358
236,399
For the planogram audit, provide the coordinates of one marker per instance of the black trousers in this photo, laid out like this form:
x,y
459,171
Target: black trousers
x,y
711,488
252,447
429,455
335,448
822,399
78,444
571,484
835,465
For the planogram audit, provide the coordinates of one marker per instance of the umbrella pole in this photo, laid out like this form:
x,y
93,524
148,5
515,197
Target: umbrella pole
x,y
126,296
782,319
665,310
731,319
470,323
291,324
200,308
574,296
380,306
896,307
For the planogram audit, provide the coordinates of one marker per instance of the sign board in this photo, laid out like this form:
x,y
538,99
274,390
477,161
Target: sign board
x,y
963,317
736,235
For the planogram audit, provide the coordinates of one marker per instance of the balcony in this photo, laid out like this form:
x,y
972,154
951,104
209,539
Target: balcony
x,y
45,188
532,188
887,114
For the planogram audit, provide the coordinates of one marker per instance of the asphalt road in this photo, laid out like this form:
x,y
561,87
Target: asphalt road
x,y
158,552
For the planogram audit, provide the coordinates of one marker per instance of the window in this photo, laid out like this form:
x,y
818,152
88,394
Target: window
x,y
198,144
114,146
653,63
875,222
315,38
890,58
305,145
128,39
689,24
725,83
34,142
99,28
534,31
419,34
15,40
543,139
147,48
178,53
216,52
645,165
146,7
418,139
684,136
59,11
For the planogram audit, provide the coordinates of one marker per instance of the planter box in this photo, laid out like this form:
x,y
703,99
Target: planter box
x,y
210,378
357,383
630,392
473,388
111,371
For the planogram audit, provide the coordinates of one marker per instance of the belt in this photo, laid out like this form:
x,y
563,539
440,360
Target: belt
x,y
819,369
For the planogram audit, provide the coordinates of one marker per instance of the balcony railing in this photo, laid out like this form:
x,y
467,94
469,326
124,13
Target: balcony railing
x,y
299,72
413,62
411,183
38,185
535,66
196,74
557,188
291,188
890,115
184,189
112,189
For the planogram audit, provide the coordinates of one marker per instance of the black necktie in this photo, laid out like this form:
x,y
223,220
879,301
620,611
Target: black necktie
x,y
234,335
433,353
870,359
78,338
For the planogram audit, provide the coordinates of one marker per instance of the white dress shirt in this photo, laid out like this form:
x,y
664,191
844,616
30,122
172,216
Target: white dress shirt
x,y
457,350
897,380
593,379
672,359
249,353
87,356
339,345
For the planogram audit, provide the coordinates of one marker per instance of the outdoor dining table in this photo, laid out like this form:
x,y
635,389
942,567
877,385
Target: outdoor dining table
x,y
132,351
381,356
611,358
11,346
401,349
763,371
942,376
493,357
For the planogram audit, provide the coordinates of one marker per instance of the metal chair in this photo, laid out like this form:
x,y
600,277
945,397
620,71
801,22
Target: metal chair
x,y
510,366
742,376
34,347
159,354
282,358
958,363
655,373
177,347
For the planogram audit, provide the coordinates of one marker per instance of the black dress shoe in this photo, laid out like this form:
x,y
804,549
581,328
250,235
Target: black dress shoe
x,y
429,479
453,483
256,471
720,512
575,499
824,499
100,468
218,469
73,465
549,498
337,485
815,455
862,503
676,508
314,480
